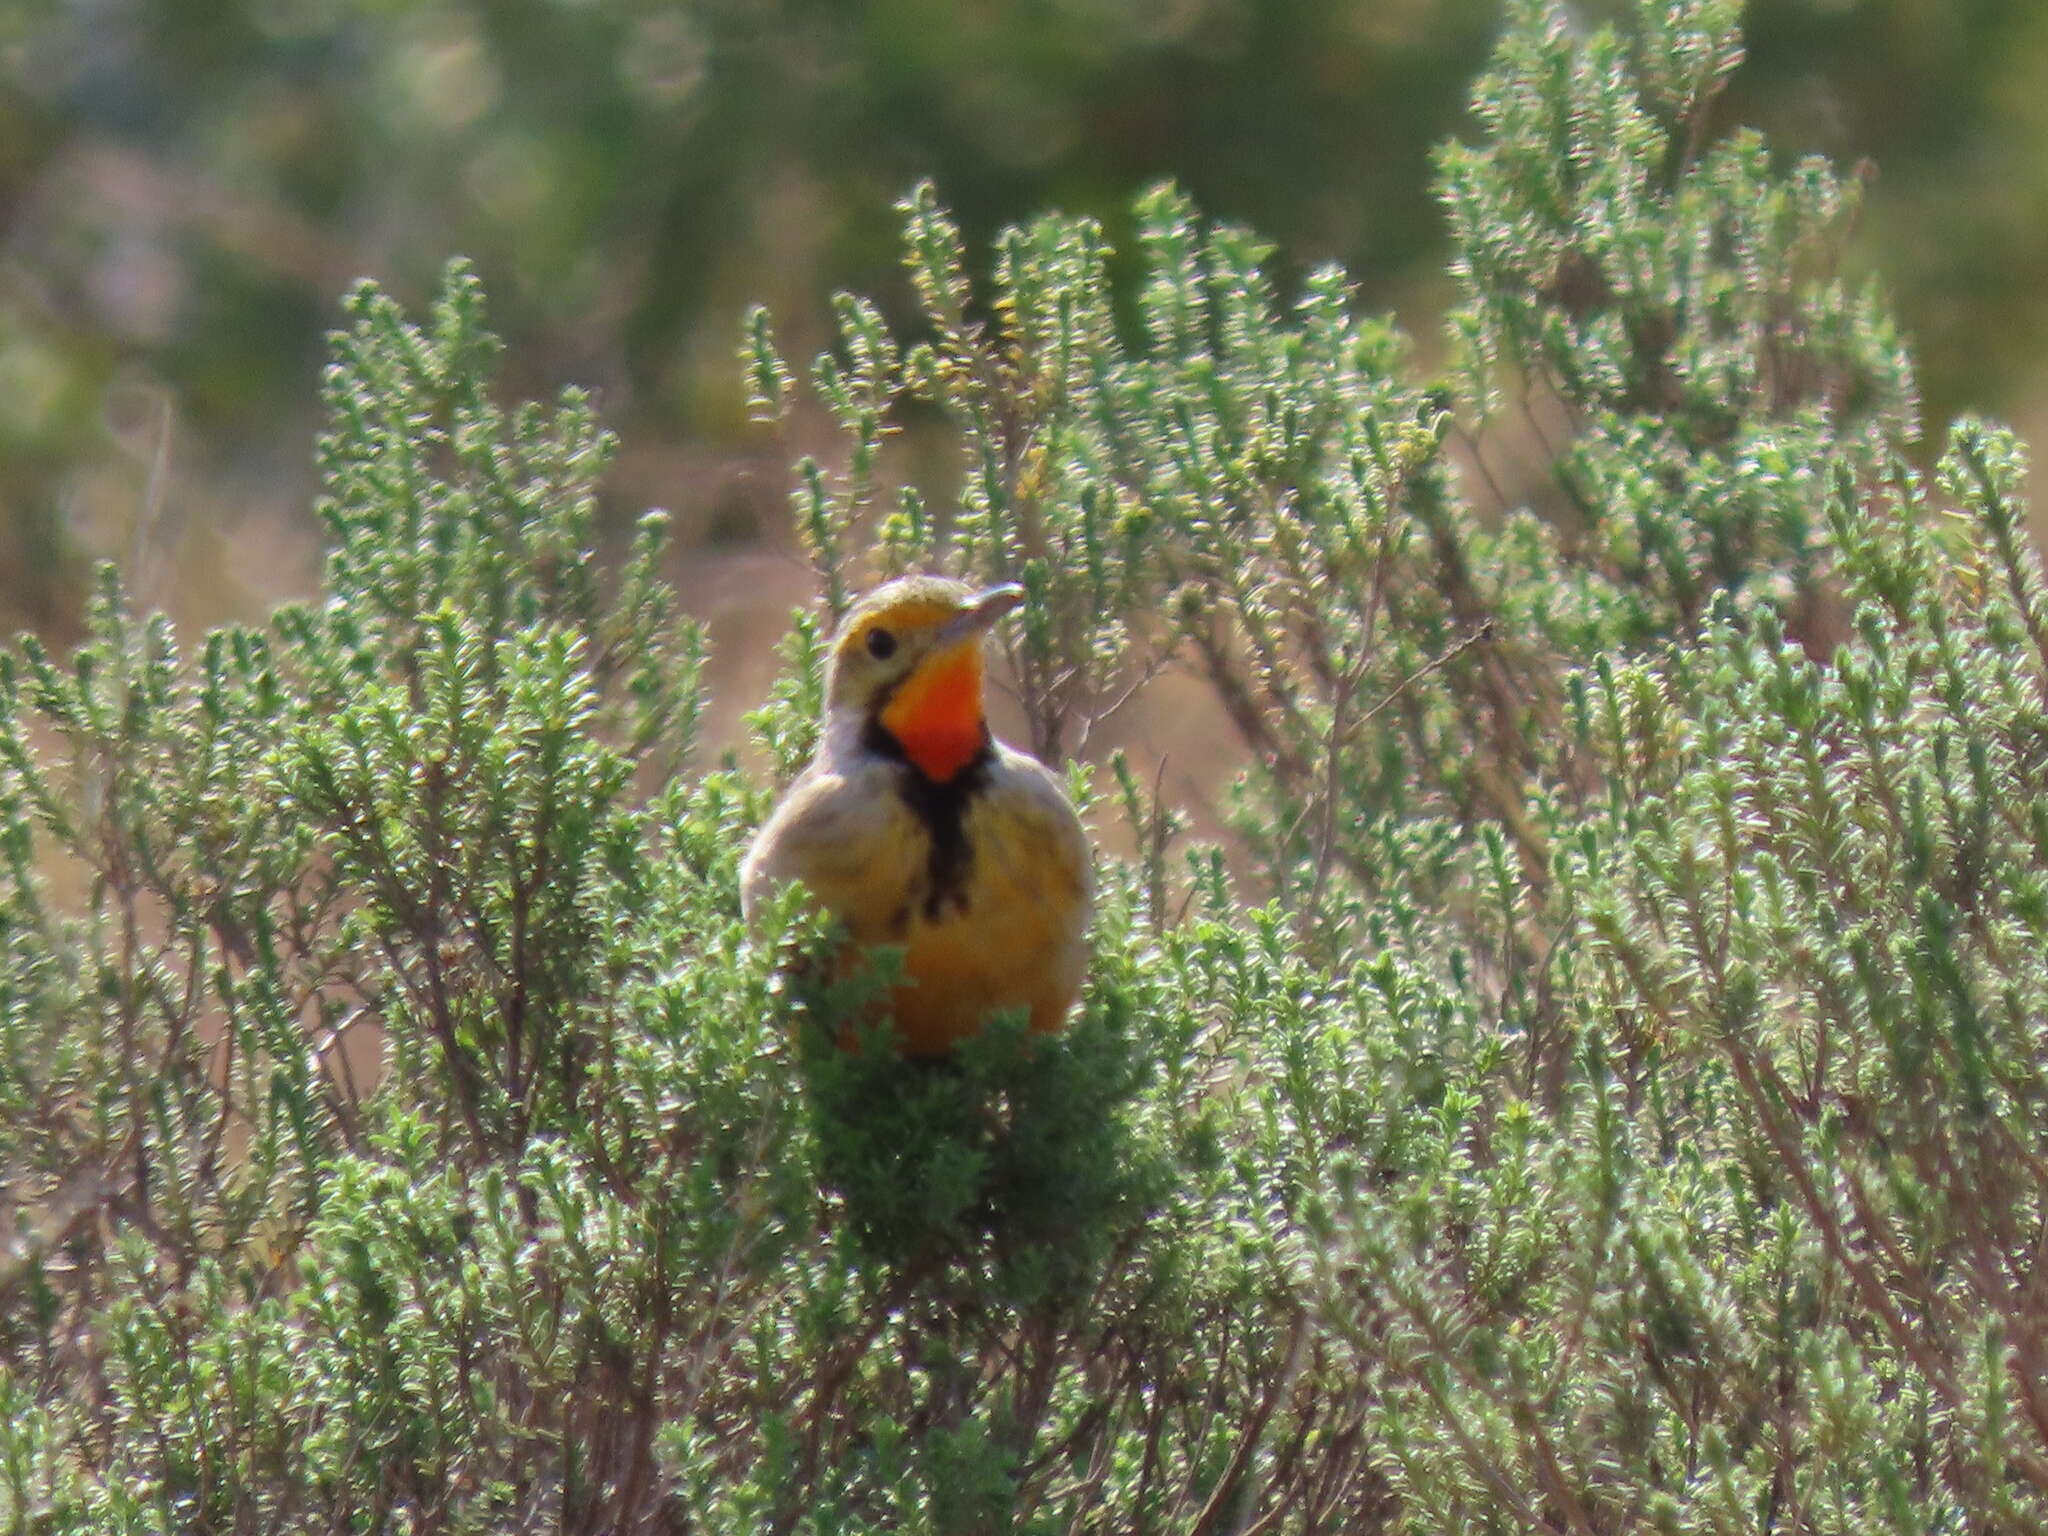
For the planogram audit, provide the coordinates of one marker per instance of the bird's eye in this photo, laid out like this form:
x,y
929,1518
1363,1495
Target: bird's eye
x,y
881,644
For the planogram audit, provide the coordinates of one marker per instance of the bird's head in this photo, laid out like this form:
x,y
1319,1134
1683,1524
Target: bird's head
x,y
906,669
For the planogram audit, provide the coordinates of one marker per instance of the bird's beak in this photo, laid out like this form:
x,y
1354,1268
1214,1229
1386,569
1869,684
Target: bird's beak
x,y
979,616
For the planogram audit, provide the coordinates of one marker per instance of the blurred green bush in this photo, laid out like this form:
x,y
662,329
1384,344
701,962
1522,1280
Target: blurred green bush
x,y
187,186
1606,1097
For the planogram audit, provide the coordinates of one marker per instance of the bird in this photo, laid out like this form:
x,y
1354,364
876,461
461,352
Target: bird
x,y
915,828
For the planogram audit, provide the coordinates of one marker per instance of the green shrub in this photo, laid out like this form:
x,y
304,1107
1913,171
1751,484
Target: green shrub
x,y
1604,1095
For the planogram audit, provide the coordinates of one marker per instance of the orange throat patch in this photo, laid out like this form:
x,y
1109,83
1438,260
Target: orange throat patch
x,y
935,714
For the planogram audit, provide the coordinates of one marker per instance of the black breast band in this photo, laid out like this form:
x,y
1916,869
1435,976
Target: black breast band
x,y
941,809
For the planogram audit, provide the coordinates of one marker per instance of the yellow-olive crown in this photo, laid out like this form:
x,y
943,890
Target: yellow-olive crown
x,y
893,628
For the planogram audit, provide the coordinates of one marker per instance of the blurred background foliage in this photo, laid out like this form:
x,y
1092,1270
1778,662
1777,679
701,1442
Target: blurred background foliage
x,y
188,186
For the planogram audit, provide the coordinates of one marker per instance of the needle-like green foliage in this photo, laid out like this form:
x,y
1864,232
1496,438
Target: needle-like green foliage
x,y
1601,1091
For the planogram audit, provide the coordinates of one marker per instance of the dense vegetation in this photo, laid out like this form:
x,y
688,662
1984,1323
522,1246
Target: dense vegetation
x,y
1603,1095
189,184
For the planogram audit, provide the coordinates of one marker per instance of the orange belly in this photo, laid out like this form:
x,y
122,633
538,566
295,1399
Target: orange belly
x,y
956,975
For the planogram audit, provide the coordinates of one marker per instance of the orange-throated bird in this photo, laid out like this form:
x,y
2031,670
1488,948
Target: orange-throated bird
x,y
915,827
